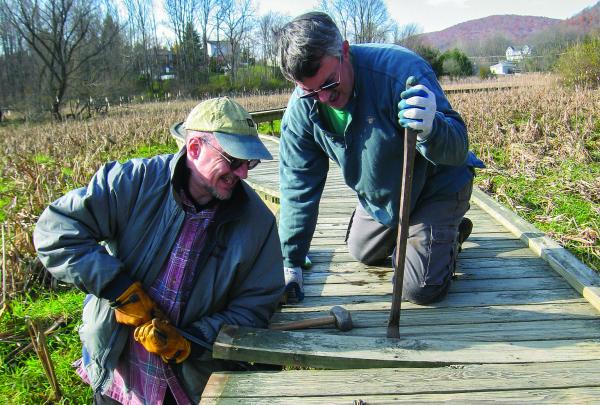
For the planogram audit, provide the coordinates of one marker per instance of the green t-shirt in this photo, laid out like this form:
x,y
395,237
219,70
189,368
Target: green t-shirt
x,y
335,120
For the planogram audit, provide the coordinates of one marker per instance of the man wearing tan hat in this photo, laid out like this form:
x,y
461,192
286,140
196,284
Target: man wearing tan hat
x,y
168,249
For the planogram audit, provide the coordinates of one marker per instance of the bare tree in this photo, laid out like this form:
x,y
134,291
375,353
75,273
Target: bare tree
x,y
405,35
181,16
360,21
15,62
58,31
268,28
371,21
236,20
206,11
142,34
340,11
113,74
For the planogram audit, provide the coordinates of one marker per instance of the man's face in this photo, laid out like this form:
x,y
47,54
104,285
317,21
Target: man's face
x,y
211,174
333,70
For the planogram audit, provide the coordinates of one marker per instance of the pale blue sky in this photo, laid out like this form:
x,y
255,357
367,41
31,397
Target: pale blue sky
x,y
435,15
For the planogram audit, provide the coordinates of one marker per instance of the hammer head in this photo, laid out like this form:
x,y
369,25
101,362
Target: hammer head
x,y
343,320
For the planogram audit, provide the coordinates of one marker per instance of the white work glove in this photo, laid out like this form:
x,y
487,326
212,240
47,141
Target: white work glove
x,y
293,282
417,108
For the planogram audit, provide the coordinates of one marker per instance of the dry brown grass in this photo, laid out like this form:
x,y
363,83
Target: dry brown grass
x,y
528,79
537,126
541,145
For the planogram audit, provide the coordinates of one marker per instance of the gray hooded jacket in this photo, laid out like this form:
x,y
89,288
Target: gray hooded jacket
x,y
121,228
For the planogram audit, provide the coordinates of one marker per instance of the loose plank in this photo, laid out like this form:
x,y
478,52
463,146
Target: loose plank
x,y
329,351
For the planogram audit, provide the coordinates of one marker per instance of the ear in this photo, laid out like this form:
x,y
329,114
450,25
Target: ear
x,y
193,146
346,49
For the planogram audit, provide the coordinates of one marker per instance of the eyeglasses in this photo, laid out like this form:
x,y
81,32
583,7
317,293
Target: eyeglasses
x,y
234,163
326,86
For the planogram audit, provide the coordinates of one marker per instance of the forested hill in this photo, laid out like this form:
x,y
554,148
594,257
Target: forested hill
x,y
514,28
587,20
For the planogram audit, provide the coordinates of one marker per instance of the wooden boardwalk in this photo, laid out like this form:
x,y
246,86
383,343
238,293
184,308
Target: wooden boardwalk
x,y
511,329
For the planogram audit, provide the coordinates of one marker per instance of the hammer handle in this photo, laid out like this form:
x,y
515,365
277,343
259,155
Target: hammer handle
x,y
304,323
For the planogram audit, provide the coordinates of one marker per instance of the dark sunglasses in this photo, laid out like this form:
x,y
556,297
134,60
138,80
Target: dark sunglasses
x,y
326,86
234,163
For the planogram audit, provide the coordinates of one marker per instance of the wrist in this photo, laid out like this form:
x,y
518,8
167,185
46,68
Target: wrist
x,y
116,287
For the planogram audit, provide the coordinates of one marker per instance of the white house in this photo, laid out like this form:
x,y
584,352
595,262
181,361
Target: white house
x,y
218,48
516,54
503,68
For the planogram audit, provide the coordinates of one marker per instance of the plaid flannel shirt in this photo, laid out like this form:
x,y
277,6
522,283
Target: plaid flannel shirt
x,y
142,377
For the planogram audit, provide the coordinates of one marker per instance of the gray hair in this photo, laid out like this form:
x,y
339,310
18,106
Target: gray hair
x,y
304,41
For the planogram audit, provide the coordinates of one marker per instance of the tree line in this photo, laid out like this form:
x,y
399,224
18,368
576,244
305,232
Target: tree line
x,y
57,50
54,50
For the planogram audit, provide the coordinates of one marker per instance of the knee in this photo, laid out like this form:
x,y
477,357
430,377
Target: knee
x,y
365,256
424,295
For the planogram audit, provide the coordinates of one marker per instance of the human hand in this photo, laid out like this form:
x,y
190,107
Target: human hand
x,y
417,108
134,307
293,282
159,337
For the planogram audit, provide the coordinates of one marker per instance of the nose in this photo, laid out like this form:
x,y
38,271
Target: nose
x,y
323,95
242,171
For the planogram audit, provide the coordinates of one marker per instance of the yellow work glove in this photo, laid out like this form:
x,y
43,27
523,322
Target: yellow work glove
x,y
134,307
159,337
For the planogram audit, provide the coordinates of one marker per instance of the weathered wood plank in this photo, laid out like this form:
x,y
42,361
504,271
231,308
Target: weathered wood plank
x,y
478,244
360,287
470,378
322,275
459,316
465,265
456,300
340,253
329,351
485,332
336,228
587,395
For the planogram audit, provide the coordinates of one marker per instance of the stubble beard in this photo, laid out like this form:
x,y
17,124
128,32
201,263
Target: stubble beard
x,y
220,196
216,194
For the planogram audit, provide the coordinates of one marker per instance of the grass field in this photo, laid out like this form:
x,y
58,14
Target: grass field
x,y
541,145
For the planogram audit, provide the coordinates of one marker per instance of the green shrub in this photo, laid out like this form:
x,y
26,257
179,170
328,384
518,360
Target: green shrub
x,y
580,64
456,63
431,55
253,78
485,72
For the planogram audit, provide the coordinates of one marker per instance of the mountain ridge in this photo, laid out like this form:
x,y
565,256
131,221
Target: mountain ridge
x,y
516,28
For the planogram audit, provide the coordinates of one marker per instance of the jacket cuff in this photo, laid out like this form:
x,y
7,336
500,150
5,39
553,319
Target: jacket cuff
x,y
434,127
289,263
198,339
116,287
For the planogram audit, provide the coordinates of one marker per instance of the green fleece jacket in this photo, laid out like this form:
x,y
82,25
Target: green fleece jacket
x,y
370,151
